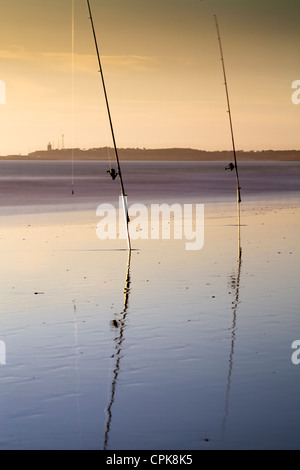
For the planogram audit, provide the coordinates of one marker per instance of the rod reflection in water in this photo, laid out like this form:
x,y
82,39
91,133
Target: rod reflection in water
x,y
119,324
235,285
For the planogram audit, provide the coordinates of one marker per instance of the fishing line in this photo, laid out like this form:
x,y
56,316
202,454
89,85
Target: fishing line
x,y
109,156
72,93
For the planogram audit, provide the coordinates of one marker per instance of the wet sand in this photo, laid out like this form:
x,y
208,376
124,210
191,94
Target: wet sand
x,y
170,349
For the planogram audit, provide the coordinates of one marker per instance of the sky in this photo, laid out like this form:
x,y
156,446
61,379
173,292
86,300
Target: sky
x,y
162,69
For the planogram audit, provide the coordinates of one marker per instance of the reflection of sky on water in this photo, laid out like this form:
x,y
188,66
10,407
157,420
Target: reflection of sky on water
x,y
177,348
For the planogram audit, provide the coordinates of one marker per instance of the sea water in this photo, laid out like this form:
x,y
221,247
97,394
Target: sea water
x,y
167,349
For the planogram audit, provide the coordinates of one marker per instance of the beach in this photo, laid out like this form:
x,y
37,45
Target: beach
x,y
167,348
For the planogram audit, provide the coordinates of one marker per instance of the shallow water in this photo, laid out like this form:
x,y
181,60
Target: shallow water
x,y
49,183
199,352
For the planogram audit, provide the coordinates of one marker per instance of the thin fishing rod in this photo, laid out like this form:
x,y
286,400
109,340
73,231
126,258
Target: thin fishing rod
x,y
106,100
124,197
229,113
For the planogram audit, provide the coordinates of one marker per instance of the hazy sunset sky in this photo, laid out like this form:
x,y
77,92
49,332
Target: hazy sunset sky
x,y
162,69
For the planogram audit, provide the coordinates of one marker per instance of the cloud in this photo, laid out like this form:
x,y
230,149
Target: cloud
x,y
81,62
15,52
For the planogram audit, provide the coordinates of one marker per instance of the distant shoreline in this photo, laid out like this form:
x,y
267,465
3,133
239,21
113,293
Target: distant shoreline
x,y
168,154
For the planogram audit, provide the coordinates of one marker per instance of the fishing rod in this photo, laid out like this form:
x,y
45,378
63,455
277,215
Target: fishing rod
x,y
230,166
112,172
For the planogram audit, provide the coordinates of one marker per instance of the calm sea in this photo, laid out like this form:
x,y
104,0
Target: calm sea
x,y
49,183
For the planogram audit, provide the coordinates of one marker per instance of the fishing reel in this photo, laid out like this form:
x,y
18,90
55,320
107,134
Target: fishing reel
x,y
112,173
230,166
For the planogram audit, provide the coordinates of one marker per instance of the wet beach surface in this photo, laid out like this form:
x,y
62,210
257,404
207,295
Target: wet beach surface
x,y
167,349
